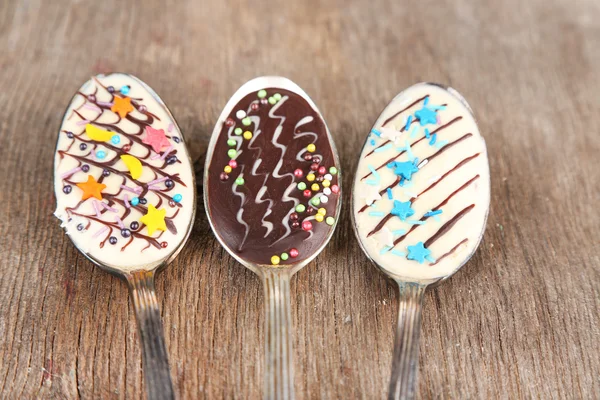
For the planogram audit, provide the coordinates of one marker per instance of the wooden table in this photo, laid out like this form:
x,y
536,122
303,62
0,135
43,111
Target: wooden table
x,y
521,320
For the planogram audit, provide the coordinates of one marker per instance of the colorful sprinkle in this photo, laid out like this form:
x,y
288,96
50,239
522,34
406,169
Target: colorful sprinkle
x,y
284,256
125,90
227,169
418,252
231,153
300,208
372,142
329,220
385,249
293,253
319,218
433,139
239,181
399,232
272,100
376,132
412,222
389,193
376,213
135,201
237,131
432,213
327,191
307,225
315,201
277,96
383,148
247,135
326,183
115,139
307,193
310,177
315,187
333,170
301,186
233,163
231,143
177,198
398,253
275,260
328,177
298,173
262,94
335,189
324,199
246,121
240,114
101,154
413,132
322,211
311,148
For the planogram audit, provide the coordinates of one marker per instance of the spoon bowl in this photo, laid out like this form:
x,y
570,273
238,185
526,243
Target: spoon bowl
x,y
420,202
272,196
125,194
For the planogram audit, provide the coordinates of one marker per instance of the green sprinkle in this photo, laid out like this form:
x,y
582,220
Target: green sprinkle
x,y
301,186
246,121
315,201
277,96
262,94
284,256
231,143
272,100
239,181
333,170
237,131
300,208
231,153
330,220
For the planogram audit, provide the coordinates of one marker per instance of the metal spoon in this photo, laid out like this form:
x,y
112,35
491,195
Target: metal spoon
x,y
270,148
419,204
125,194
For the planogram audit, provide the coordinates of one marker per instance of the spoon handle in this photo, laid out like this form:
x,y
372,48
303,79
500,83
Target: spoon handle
x,y
152,337
279,366
406,344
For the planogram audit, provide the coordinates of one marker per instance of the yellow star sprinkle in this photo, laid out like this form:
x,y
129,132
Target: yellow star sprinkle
x,y
122,106
154,219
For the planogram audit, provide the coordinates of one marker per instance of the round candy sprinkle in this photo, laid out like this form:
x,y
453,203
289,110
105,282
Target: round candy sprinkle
x,y
247,135
223,176
324,199
135,201
326,183
333,170
298,173
237,131
231,153
319,178
307,193
80,227
176,139
240,114
306,225
85,168
246,121
316,201
293,216
105,172
177,198
92,98
134,225
111,89
169,183
300,208
275,260
115,139
322,170
67,189
142,108
293,253
327,191
329,220
310,210
70,135
233,163
231,143
277,96
284,256
310,177
164,245
227,169
143,200
308,157
322,211
101,154
171,160
311,148
112,240
239,181
272,100
314,166
125,233
295,224
125,89
229,122
328,177
335,189
302,186
316,159
254,106
82,146
126,148
315,187
263,101
171,203
262,94
319,218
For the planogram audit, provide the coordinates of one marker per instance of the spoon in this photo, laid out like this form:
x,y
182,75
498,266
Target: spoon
x,y
419,203
272,195
125,193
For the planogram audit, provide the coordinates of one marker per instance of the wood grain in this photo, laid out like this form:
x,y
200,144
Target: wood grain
x,y
521,320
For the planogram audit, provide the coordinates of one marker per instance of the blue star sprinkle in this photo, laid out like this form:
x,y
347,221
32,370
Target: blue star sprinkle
x,y
426,116
402,209
418,252
403,169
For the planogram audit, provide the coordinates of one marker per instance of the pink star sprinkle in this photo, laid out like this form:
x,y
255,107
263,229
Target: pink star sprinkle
x,y
156,138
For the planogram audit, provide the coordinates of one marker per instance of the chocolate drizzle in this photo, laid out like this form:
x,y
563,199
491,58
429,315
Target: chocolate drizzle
x,y
257,219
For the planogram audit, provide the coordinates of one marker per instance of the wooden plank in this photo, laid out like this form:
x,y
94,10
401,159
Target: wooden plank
x,y
521,320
